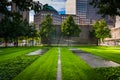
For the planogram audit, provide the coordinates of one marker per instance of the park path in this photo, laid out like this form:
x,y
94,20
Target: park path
x,y
37,52
94,61
59,77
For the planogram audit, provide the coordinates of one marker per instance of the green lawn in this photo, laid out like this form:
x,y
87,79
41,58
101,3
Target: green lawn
x,y
13,61
9,53
107,52
16,65
44,68
74,68
110,53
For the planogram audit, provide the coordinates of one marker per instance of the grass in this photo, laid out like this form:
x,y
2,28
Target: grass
x,y
11,65
9,53
14,64
109,53
11,68
44,68
74,68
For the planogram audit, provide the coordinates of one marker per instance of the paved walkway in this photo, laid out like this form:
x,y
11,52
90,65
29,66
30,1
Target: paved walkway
x,y
38,52
94,61
59,77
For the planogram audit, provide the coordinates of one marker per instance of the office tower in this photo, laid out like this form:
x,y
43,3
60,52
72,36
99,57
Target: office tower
x,y
77,7
83,9
70,7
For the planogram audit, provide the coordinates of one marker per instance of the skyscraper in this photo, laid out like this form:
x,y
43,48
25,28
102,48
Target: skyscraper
x,y
83,9
78,7
71,7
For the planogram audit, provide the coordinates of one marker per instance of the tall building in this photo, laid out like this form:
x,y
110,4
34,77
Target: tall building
x,y
84,10
81,8
70,7
39,17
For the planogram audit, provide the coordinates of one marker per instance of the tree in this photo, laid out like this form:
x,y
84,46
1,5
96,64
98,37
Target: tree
x,y
32,32
23,5
69,28
101,30
13,28
5,29
47,29
107,7
18,28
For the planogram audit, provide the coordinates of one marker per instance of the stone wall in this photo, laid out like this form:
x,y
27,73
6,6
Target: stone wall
x,y
115,39
84,37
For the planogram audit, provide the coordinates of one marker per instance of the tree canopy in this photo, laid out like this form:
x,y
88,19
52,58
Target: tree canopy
x,y
21,4
47,29
101,30
69,28
107,7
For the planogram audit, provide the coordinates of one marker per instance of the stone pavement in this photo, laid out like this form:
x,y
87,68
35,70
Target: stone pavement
x,y
93,60
38,52
59,76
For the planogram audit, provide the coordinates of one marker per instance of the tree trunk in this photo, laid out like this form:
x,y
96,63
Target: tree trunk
x,y
16,42
68,40
97,42
59,39
5,42
32,41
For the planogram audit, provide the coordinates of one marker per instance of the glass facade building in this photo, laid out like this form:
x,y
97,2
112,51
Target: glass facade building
x,y
83,9
86,12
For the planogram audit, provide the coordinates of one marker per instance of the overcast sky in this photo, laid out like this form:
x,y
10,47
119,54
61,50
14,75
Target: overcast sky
x,y
59,5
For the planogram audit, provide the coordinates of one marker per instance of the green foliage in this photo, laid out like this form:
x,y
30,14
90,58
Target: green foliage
x,y
69,28
44,68
110,73
5,28
31,31
107,7
47,29
74,68
19,27
23,5
101,29
13,28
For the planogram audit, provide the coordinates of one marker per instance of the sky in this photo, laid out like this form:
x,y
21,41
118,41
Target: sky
x,y
59,5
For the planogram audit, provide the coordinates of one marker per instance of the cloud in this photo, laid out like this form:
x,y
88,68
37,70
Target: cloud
x,y
57,4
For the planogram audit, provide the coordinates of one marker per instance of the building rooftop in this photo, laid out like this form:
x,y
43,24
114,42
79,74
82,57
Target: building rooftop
x,y
47,7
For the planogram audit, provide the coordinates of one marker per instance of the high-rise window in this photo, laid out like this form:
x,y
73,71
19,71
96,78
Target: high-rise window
x,y
81,8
